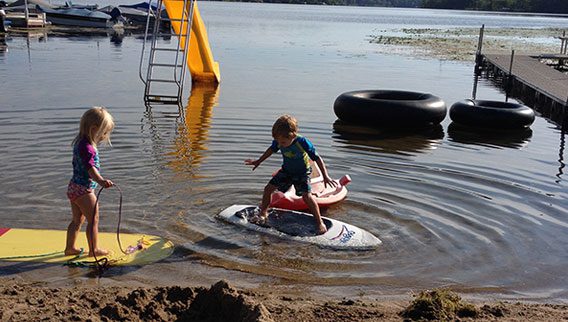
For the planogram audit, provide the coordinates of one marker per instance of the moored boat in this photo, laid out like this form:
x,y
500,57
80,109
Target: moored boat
x,y
78,17
133,16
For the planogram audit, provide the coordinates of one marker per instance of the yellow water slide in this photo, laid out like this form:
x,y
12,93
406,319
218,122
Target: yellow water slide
x,y
200,61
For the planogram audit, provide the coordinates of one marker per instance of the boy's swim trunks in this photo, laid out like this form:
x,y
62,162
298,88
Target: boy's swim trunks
x,y
283,181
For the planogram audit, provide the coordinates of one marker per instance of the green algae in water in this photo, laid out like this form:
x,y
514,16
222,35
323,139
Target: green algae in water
x,y
461,43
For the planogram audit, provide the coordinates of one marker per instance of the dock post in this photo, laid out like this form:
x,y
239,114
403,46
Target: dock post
x,y
26,14
509,84
2,19
563,43
475,81
564,118
478,56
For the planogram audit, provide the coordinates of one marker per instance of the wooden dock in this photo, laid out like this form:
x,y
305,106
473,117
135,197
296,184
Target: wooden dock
x,y
535,83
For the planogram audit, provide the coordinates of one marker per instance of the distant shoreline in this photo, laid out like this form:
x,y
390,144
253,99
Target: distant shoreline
x,y
324,3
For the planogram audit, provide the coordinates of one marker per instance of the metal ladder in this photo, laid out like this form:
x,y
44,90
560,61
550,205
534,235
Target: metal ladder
x,y
166,68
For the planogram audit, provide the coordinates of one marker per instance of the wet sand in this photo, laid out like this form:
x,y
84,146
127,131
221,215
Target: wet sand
x,y
25,301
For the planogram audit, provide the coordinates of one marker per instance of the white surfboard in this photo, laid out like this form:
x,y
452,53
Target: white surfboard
x,y
300,226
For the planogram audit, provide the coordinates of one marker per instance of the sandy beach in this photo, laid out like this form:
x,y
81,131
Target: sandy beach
x,y
25,301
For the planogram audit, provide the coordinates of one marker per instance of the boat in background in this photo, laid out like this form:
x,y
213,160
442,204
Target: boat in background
x,y
132,16
69,4
153,9
78,17
20,5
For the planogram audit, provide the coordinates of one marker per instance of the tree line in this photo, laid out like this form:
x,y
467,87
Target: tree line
x,y
362,3
544,6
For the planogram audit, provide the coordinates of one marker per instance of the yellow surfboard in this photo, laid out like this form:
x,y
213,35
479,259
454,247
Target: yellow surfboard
x,y
40,245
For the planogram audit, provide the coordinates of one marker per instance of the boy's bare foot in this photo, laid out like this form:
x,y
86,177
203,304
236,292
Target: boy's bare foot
x,y
73,251
321,229
99,252
260,220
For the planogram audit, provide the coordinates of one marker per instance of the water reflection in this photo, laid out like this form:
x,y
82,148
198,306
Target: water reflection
x,y
155,127
514,139
561,156
3,45
475,82
193,130
31,36
388,140
117,36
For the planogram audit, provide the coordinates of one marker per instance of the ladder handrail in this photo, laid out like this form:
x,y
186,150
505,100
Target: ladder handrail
x,y
179,69
187,40
144,43
179,41
186,18
153,46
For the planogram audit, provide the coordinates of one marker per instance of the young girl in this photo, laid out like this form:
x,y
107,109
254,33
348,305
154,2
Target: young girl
x,y
95,127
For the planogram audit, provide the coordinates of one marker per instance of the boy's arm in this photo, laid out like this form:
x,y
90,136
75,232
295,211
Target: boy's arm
x,y
311,151
95,175
263,157
326,179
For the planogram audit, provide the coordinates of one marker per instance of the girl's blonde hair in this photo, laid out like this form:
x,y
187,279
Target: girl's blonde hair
x,y
99,117
286,126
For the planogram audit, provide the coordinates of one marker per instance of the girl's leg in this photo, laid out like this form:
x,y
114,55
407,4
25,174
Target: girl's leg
x,y
314,209
87,205
73,230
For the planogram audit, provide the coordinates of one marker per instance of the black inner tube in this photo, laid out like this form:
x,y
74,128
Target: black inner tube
x,y
491,114
390,108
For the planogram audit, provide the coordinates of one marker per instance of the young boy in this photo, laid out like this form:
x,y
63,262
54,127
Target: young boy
x,y
296,152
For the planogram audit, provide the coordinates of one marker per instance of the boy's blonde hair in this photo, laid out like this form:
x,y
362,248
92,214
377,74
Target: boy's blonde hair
x,y
99,117
286,126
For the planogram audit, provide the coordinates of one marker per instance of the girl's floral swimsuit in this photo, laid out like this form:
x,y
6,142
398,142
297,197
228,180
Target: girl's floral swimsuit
x,y
85,156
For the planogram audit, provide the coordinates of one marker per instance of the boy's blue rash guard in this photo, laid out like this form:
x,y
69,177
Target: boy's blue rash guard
x,y
296,156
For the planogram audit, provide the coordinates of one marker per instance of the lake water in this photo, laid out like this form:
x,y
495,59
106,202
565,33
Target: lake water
x,y
484,213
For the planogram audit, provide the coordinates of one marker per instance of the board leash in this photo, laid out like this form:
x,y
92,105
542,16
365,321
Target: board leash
x,y
103,263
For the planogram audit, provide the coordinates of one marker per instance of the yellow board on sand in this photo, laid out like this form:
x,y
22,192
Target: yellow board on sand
x,y
200,61
46,246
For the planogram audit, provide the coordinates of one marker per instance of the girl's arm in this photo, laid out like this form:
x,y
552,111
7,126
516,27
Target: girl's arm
x,y
95,175
326,179
263,157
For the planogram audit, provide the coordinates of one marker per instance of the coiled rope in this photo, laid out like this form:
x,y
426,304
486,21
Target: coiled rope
x,y
103,263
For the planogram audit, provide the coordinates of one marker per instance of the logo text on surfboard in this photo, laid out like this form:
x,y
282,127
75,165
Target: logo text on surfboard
x,y
345,235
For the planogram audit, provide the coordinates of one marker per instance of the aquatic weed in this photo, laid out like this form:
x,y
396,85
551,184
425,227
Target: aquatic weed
x,y
439,305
